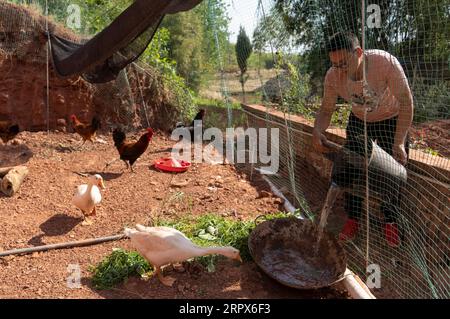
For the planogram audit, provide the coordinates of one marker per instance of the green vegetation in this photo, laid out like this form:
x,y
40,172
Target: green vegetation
x,y
190,48
243,52
296,95
261,60
117,267
341,115
307,24
206,230
157,55
431,151
214,230
432,101
184,49
205,102
197,40
310,22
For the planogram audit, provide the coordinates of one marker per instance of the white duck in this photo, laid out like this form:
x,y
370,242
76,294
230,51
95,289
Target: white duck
x,y
87,196
164,245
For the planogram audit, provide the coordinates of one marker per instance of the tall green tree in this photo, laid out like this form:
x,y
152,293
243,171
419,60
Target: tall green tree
x,y
243,52
185,45
95,14
196,40
216,45
270,33
199,40
415,31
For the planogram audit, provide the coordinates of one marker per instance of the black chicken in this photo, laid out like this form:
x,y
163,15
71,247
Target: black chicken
x,y
198,117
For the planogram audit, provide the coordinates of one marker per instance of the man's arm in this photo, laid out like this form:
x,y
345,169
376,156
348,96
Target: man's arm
x,y
323,117
405,118
321,124
398,84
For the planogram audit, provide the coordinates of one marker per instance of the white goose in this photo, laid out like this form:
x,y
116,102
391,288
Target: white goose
x,y
87,196
165,245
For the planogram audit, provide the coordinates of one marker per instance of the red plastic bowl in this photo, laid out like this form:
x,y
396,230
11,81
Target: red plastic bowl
x,y
167,164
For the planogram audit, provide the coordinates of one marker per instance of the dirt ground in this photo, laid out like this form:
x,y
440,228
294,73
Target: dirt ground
x,y
41,213
434,135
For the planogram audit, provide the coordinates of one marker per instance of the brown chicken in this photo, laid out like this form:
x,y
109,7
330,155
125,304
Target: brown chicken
x,y
131,151
8,131
86,131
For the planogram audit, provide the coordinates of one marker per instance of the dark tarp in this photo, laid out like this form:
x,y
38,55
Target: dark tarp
x,y
100,59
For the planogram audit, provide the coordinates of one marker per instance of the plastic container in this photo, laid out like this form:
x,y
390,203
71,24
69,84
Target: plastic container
x,y
169,164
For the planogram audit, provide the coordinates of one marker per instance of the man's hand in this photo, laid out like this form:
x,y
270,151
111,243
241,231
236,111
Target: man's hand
x,y
398,150
319,142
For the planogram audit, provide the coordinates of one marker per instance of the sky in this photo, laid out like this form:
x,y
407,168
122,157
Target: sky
x,y
244,12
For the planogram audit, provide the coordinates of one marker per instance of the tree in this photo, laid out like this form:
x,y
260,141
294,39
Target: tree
x,y
270,33
215,40
193,43
95,14
185,45
414,31
197,39
243,52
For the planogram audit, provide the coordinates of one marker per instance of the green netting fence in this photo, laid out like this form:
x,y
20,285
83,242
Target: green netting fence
x,y
283,87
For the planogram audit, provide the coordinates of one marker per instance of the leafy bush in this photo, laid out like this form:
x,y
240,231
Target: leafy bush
x,y
431,101
295,97
157,55
201,101
117,267
261,60
341,115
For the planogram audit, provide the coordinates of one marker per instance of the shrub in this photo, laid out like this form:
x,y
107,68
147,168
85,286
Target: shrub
x,y
431,101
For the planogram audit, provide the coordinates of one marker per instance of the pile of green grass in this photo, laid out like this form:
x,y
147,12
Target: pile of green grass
x,y
206,230
222,231
117,267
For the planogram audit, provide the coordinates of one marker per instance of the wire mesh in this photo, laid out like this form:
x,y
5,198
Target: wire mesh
x,y
291,36
287,67
130,100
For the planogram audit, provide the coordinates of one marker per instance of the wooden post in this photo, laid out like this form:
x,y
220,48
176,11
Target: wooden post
x,y
11,182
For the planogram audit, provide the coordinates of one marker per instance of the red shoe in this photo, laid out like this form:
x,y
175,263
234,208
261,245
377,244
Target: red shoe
x,y
391,234
349,231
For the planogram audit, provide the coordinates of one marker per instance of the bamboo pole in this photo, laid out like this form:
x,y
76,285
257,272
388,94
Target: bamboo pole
x,y
86,242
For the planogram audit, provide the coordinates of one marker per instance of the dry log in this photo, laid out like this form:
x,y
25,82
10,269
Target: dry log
x,y
5,170
11,182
